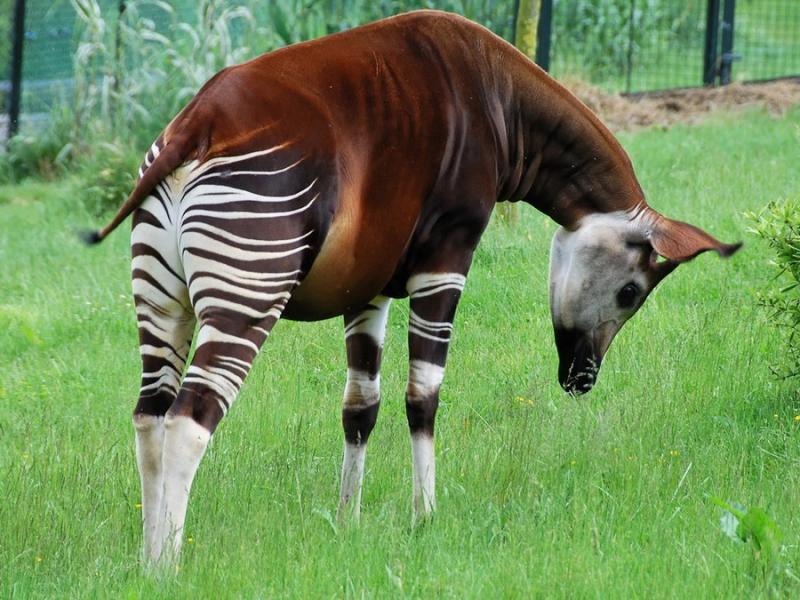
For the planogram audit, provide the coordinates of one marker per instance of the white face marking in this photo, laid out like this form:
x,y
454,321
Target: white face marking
x,y
589,267
600,274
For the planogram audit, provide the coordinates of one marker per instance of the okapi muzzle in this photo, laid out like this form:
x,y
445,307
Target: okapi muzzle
x,y
578,360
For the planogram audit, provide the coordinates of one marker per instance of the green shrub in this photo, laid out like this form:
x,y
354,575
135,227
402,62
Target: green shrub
x,y
779,225
107,176
42,153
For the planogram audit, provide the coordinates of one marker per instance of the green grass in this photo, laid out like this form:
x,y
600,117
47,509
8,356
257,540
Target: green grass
x,y
540,494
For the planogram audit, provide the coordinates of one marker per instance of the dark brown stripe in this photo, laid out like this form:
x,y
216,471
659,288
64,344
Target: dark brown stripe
x,y
359,422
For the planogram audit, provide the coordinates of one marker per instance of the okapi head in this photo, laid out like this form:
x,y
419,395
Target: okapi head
x,y
602,271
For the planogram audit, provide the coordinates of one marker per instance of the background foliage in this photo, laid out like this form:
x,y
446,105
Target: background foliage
x,y
779,225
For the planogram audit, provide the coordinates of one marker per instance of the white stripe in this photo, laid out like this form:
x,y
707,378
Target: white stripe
x,y
422,334
223,194
441,281
243,240
194,240
233,173
246,214
162,352
210,334
197,169
201,263
371,321
352,478
430,325
211,302
361,390
424,379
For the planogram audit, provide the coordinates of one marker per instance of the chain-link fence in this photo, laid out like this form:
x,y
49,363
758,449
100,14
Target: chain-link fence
x,y
629,45
767,39
620,45
646,45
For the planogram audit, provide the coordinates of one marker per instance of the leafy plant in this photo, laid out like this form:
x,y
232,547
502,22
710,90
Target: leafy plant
x,y
752,525
108,176
779,225
40,153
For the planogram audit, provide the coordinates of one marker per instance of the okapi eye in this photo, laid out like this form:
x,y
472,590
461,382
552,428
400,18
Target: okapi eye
x,y
626,297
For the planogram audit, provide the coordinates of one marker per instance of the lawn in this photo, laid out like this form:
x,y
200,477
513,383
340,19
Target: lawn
x,y
540,494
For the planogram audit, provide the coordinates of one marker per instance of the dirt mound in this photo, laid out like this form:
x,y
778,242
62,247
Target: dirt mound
x,y
624,113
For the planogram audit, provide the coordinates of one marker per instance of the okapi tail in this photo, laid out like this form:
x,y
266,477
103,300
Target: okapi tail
x,y
170,158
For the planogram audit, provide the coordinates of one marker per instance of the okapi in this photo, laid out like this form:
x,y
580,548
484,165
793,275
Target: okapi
x,y
330,176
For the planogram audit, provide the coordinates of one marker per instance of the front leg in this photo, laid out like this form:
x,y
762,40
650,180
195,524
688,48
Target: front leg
x,y
434,297
364,333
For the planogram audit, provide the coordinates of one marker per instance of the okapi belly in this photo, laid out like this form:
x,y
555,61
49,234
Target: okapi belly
x,y
362,251
350,270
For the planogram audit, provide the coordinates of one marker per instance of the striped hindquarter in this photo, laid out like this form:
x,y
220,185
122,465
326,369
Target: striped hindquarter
x,y
220,246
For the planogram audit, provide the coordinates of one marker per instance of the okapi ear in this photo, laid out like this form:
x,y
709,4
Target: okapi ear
x,y
679,241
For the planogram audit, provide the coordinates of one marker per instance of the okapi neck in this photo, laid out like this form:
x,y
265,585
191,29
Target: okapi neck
x,y
559,157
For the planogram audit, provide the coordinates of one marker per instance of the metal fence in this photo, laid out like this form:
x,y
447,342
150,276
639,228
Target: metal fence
x,y
619,45
648,45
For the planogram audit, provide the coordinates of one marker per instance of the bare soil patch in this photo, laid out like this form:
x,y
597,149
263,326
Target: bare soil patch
x,y
662,109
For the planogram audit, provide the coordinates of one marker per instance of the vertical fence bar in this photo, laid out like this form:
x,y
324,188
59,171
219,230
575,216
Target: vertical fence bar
x,y
17,43
629,55
543,31
727,57
712,31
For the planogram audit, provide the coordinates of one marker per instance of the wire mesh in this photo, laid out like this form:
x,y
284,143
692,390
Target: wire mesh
x,y
629,45
766,39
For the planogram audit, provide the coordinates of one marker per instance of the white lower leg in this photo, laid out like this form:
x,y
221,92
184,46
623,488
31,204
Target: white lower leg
x,y
352,478
149,444
185,442
424,475
361,396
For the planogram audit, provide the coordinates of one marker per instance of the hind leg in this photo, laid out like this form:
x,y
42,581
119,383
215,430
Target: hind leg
x,y
162,363
166,323
226,347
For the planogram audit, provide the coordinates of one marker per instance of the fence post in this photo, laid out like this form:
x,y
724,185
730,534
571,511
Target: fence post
x,y
543,31
17,43
727,57
712,31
